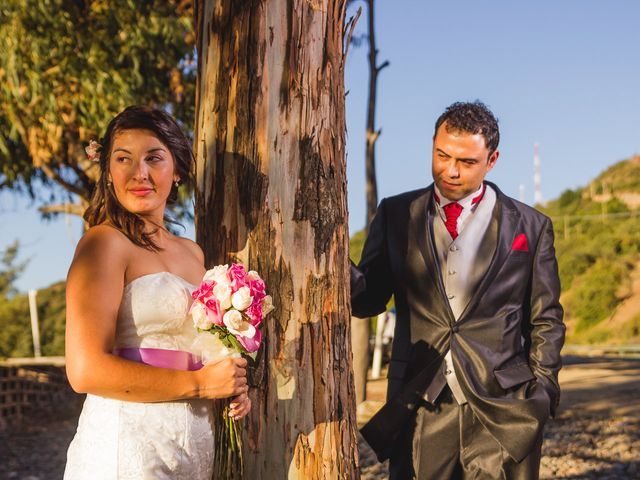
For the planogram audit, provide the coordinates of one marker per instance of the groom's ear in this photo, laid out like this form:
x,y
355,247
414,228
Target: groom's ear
x,y
493,158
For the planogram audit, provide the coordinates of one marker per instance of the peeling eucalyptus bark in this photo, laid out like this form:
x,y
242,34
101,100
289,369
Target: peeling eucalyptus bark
x,y
271,192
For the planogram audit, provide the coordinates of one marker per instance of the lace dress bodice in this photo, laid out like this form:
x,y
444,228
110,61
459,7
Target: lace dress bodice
x,y
153,313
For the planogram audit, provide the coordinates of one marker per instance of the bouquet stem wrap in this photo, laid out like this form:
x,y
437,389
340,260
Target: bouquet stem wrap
x,y
228,462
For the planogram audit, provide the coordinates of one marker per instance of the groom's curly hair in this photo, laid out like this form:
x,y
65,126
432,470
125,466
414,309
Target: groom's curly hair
x,y
471,117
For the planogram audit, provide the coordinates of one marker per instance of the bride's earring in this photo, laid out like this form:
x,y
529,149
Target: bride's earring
x,y
176,183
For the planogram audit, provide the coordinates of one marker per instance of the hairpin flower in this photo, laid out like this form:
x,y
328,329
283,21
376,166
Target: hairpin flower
x,y
93,151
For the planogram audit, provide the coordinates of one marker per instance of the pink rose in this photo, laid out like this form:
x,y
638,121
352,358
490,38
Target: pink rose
x,y
254,312
238,276
214,312
250,344
203,292
257,288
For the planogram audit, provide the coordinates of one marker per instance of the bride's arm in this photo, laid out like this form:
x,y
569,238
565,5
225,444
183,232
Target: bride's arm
x,y
94,290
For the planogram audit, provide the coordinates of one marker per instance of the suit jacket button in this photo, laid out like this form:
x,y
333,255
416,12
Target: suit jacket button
x,y
455,329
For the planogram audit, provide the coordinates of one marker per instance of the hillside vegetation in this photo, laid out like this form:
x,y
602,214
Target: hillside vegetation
x,y
15,319
598,246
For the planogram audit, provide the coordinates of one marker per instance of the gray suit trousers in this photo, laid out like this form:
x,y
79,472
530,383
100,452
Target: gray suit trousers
x,y
448,442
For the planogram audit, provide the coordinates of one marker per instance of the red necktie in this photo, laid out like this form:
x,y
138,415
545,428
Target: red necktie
x,y
452,211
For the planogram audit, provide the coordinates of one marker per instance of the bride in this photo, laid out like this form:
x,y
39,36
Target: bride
x,y
148,410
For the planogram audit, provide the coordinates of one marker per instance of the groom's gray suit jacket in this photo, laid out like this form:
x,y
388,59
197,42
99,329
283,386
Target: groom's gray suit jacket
x,y
506,343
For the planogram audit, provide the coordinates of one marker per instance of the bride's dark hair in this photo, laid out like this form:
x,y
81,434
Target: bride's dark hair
x,y
104,206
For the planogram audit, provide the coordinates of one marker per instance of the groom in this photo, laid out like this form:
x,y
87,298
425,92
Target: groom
x,y
474,367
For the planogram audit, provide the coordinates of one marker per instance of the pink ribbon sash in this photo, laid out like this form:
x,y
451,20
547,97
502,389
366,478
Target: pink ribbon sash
x,y
159,357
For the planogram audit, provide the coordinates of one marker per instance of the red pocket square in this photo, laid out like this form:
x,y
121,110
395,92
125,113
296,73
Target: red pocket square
x,y
520,243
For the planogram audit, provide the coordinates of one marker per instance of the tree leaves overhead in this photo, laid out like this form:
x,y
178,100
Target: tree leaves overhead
x,y
67,67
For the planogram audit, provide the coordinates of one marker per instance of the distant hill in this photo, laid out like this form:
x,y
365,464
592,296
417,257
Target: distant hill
x,y
598,246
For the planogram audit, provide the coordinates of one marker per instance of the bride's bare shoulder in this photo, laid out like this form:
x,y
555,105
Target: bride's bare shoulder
x,y
101,258
192,247
103,239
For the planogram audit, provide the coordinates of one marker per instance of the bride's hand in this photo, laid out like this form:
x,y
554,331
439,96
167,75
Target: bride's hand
x,y
222,379
240,406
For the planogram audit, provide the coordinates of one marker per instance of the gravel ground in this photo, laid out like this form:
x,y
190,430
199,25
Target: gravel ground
x,y
37,450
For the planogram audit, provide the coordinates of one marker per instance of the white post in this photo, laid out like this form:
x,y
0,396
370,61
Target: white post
x,y
377,349
35,330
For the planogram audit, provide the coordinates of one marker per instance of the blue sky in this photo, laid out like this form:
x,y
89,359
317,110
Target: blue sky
x,y
563,73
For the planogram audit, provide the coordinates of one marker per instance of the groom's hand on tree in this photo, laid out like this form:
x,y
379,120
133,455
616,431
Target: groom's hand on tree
x,y
223,379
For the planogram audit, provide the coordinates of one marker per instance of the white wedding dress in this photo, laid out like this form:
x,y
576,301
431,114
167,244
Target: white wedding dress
x,y
129,440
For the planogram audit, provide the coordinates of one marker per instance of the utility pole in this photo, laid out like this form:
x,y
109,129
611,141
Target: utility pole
x,y
35,329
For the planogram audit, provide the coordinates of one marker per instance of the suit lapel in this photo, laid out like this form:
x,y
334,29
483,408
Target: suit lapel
x,y
422,217
508,224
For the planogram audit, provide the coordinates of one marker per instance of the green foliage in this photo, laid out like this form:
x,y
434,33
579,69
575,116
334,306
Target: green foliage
x,y
10,271
632,328
67,67
15,320
356,244
592,240
15,329
52,316
623,176
597,244
15,323
569,198
594,296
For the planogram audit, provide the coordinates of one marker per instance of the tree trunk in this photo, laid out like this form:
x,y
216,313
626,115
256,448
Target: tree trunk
x,y
372,133
271,193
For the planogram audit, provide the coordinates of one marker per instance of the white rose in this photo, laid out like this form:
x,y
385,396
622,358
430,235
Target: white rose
x,y
236,324
199,316
242,298
267,305
217,274
223,295
253,275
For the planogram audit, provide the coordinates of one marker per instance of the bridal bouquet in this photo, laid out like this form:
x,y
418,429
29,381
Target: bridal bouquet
x,y
228,308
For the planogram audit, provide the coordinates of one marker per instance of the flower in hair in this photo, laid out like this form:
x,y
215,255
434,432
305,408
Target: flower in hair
x,y
93,151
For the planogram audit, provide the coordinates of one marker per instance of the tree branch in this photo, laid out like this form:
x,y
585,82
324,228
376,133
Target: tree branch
x,y
66,185
72,208
351,25
384,64
372,137
79,169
